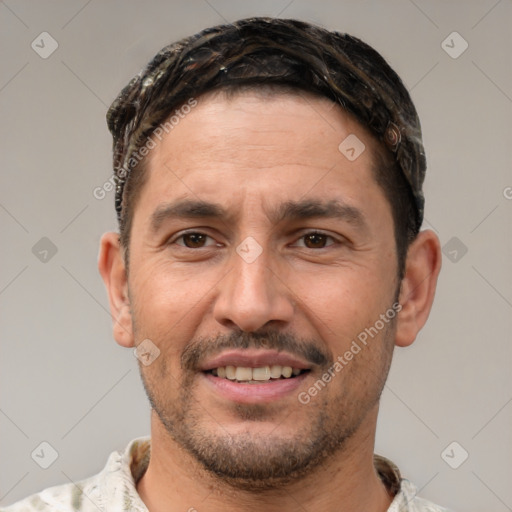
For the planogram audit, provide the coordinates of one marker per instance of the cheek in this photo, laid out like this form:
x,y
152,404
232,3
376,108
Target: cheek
x,y
341,304
168,304
161,290
341,295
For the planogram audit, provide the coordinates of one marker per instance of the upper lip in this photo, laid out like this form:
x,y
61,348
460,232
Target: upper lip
x,y
252,358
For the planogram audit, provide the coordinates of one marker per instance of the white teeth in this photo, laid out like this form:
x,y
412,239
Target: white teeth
x,y
287,371
263,373
230,372
275,371
243,373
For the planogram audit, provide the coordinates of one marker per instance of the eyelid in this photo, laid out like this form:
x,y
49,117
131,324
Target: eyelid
x,y
302,234
181,234
317,232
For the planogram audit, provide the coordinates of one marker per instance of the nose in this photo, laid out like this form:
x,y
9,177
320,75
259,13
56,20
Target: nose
x,y
252,295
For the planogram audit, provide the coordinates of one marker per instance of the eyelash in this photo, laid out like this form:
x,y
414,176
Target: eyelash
x,y
309,233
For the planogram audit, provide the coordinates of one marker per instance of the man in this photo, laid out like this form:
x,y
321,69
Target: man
x,y
269,177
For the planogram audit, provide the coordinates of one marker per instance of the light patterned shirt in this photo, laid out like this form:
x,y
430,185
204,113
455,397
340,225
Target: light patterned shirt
x,y
114,488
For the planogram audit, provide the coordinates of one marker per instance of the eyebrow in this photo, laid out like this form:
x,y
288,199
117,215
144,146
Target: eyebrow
x,y
290,210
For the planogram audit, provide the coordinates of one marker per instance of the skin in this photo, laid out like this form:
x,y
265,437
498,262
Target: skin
x,y
250,154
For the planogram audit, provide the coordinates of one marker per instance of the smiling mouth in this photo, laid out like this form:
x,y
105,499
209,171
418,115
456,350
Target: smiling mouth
x,y
257,375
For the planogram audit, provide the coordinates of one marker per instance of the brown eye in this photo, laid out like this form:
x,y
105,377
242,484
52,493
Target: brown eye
x,y
194,240
315,240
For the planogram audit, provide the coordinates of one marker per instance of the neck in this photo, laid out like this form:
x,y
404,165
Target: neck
x,y
348,481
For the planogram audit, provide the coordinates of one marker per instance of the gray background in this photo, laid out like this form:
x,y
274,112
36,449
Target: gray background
x,y
63,378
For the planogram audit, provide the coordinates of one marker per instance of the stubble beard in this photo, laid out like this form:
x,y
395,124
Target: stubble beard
x,y
254,462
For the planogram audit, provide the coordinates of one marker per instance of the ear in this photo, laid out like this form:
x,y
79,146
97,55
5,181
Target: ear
x,y
112,269
418,287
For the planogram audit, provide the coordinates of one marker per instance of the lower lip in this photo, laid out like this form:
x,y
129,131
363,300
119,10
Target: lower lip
x,y
267,391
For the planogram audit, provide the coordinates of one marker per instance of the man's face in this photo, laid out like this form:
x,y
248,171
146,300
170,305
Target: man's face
x,y
264,273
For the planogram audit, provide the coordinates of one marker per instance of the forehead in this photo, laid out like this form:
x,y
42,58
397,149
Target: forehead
x,y
263,144
282,120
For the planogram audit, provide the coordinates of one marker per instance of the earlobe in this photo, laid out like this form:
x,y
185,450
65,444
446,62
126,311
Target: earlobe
x,y
418,288
113,271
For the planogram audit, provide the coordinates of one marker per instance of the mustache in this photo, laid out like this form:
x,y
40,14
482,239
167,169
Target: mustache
x,y
197,351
